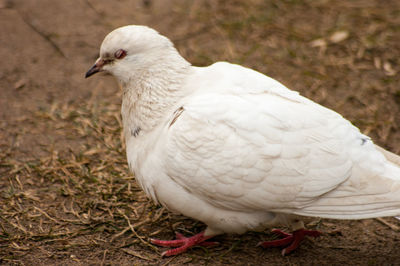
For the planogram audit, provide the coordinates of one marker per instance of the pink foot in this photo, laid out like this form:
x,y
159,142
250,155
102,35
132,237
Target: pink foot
x,y
183,243
291,241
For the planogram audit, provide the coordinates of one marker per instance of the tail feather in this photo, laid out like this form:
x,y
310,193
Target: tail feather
x,y
364,195
390,156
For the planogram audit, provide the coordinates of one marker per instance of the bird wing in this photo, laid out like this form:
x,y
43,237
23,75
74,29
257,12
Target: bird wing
x,y
247,143
257,150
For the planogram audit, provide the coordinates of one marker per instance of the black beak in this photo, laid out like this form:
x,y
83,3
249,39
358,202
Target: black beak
x,y
97,67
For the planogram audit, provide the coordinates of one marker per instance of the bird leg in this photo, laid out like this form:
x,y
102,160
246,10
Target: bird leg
x,y
290,241
183,243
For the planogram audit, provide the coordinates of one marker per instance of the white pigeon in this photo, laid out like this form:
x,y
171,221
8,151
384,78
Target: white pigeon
x,y
237,150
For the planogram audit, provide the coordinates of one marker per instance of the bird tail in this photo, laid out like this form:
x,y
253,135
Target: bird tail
x,y
363,195
390,156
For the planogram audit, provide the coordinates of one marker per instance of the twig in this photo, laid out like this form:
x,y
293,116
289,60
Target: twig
x,y
16,246
136,234
45,214
136,254
391,226
18,226
158,214
136,225
234,245
119,234
19,182
104,258
168,262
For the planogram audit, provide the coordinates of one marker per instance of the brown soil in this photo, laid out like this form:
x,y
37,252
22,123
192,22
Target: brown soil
x,y
66,196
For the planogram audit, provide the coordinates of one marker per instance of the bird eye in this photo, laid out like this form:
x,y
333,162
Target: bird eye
x,y
121,53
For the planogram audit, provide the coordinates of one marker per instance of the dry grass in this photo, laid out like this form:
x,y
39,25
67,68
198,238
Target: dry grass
x,y
66,195
92,200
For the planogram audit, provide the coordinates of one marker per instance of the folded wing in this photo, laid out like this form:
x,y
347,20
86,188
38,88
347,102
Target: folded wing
x,y
250,149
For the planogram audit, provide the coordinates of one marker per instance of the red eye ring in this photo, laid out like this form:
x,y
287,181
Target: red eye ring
x,y
119,54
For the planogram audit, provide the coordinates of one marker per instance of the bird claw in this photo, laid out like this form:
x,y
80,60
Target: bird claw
x,y
290,241
182,243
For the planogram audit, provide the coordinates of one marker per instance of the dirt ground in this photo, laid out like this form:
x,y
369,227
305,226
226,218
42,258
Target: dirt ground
x,y
66,196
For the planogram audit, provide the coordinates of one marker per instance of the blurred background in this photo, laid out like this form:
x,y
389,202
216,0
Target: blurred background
x,y
66,196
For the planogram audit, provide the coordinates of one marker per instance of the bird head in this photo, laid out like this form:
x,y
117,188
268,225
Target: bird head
x,y
129,49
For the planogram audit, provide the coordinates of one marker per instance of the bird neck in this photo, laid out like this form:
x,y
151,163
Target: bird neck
x,y
150,93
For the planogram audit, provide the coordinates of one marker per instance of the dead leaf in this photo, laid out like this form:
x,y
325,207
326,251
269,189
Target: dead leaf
x,y
318,43
19,84
339,36
389,71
